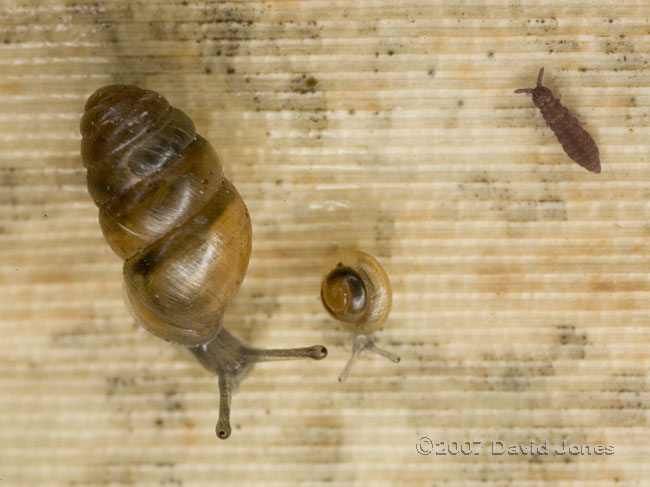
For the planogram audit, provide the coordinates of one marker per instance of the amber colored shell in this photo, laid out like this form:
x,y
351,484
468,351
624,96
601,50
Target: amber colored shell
x,y
356,291
167,210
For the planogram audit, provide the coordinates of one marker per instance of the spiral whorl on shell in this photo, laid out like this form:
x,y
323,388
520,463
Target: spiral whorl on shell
x,y
356,291
166,208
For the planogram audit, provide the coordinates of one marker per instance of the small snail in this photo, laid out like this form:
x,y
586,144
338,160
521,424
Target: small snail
x,y
356,291
182,229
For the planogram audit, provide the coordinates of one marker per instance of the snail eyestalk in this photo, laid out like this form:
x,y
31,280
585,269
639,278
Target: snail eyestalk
x,y
393,357
231,359
361,343
225,396
316,352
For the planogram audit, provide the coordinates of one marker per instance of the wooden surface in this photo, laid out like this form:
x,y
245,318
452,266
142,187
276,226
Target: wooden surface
x,y
521,289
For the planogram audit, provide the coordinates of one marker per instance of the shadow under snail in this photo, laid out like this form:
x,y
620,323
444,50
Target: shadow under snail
x,y
356,291
180,226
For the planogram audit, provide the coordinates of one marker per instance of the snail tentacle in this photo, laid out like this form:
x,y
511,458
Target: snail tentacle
x,y
223,429
231,360
361,343
316,352
357,348
393,357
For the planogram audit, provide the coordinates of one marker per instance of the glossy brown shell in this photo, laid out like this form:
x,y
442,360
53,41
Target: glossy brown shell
x,y
167,210
356,291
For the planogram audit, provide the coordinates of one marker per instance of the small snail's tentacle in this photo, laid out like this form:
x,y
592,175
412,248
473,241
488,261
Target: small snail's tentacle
x,y
361,343
357,348
225,396
393,357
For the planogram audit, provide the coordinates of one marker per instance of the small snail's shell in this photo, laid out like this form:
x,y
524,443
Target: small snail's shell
x,y
166,208
356,291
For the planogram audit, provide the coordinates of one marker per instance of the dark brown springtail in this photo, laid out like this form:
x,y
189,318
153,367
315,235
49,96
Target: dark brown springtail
x,y
575,140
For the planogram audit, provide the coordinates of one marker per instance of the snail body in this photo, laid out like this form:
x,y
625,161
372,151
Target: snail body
x,y
356,291
181,227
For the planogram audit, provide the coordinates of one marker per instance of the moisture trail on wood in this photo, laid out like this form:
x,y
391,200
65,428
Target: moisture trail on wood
x,y
575,140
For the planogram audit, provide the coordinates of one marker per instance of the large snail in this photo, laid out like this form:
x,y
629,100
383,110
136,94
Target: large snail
x,y
356,291
182,229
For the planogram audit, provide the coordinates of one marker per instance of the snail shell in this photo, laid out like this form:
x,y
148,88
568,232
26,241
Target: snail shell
x,y
181,227
356,291
166,208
